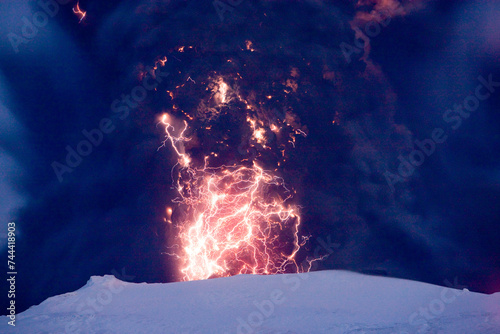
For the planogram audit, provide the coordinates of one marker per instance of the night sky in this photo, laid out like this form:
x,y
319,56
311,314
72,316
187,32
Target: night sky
x,y
398,172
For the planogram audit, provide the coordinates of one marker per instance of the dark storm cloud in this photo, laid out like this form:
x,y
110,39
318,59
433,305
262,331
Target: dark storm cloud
x,y
10,132
98,218
457,186
350,156
108,212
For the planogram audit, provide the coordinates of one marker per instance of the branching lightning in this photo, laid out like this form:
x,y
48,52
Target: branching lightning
x,y
238,220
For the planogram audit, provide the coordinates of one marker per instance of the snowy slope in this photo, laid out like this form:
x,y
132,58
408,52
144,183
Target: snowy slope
x,y
319,302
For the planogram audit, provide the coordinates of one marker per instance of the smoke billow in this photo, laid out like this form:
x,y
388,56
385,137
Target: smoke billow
x,y
351,85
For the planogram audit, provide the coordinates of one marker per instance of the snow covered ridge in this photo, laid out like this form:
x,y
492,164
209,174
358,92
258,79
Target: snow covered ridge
x,y
318,302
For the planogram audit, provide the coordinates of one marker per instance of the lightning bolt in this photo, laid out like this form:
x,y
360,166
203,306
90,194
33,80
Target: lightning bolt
x,y
81,14
238,218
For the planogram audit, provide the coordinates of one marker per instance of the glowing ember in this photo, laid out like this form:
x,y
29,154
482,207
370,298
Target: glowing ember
x,y
249,45
237,220
222,91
